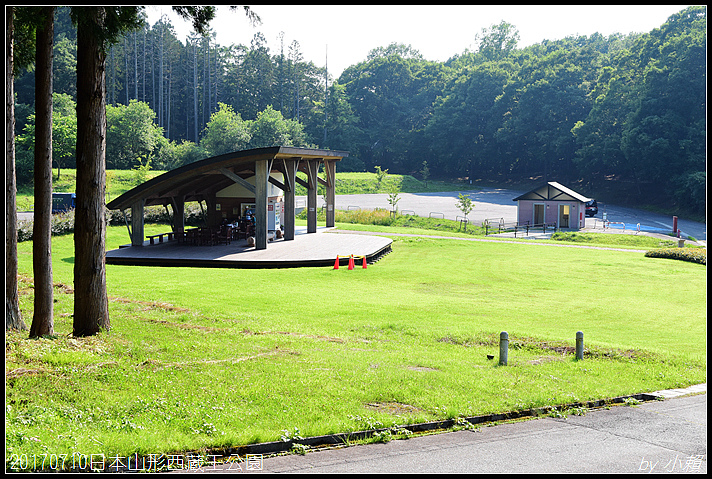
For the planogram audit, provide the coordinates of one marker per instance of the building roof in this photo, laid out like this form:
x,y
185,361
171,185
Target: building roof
x,y
195,180
552,191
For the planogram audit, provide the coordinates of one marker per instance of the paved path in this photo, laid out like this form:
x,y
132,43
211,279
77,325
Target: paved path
x,y
499,238
657,436
494,203
318,249
489,203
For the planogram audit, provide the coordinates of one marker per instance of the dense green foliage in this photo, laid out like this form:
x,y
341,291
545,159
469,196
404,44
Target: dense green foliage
x,y
693,255
622,115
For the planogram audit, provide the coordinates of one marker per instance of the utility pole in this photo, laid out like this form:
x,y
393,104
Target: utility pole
x,y
326,91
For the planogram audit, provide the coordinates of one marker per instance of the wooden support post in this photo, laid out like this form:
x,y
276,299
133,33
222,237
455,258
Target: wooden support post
x,y
290,173
212,217
261,178
312,171
178,203
330,171
137,223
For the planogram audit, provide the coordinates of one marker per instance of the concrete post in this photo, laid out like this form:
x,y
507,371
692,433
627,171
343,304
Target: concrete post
x,y
503,347
579,345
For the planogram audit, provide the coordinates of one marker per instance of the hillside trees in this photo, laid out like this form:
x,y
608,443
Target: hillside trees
x,y
497,42
225,132
342,127
667,129
623,112
64,138
544,102
391,97
465,120
270,128
132,135
647,124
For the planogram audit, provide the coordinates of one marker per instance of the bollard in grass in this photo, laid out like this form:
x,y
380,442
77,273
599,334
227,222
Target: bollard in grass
x,y
579,345
503,347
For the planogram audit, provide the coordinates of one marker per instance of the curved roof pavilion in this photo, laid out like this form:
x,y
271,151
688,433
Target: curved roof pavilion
x,y
251,170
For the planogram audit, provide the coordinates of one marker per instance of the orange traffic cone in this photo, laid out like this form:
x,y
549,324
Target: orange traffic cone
x,y
336,264
351,262
364,262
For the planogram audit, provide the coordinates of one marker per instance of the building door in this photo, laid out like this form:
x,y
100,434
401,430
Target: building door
x,y
564,212
539,214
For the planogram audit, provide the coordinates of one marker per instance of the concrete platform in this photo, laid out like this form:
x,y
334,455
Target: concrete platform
x,y
313,250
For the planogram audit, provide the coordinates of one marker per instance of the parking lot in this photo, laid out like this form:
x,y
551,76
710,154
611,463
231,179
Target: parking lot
x,y
497,203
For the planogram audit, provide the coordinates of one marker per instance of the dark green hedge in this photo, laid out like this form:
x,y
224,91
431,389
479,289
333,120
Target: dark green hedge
x,y
63,223
694,255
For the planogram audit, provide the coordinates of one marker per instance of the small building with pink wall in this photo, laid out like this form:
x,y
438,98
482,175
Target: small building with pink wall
x,y
552,204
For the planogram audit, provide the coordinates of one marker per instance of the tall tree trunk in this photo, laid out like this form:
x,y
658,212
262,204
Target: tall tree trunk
x,y
326,92
168,111
203,105
13,317
195,90
143,66
42,320
210,86
110,89
135,66
160,80
154,103
91,309
217,80
126,68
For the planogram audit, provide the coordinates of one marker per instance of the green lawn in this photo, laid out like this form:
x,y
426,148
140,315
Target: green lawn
x,y
213,358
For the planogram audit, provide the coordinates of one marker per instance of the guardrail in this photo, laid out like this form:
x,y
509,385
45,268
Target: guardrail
x,y
607,224
504,227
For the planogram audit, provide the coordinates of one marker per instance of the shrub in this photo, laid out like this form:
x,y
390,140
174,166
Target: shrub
x,y
63,223
381,217
693,255
24,230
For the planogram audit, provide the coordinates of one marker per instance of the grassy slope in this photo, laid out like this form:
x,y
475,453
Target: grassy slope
x,y
212,357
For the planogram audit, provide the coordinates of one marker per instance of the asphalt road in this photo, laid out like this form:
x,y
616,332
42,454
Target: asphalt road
x,y
659,436
495,203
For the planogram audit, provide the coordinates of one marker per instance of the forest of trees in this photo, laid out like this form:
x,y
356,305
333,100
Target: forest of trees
x,y
625,112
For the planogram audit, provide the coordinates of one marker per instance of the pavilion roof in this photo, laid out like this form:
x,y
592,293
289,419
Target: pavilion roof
x,y
196,180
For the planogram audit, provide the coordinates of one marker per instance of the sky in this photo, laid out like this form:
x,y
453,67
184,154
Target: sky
x,y
339,36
